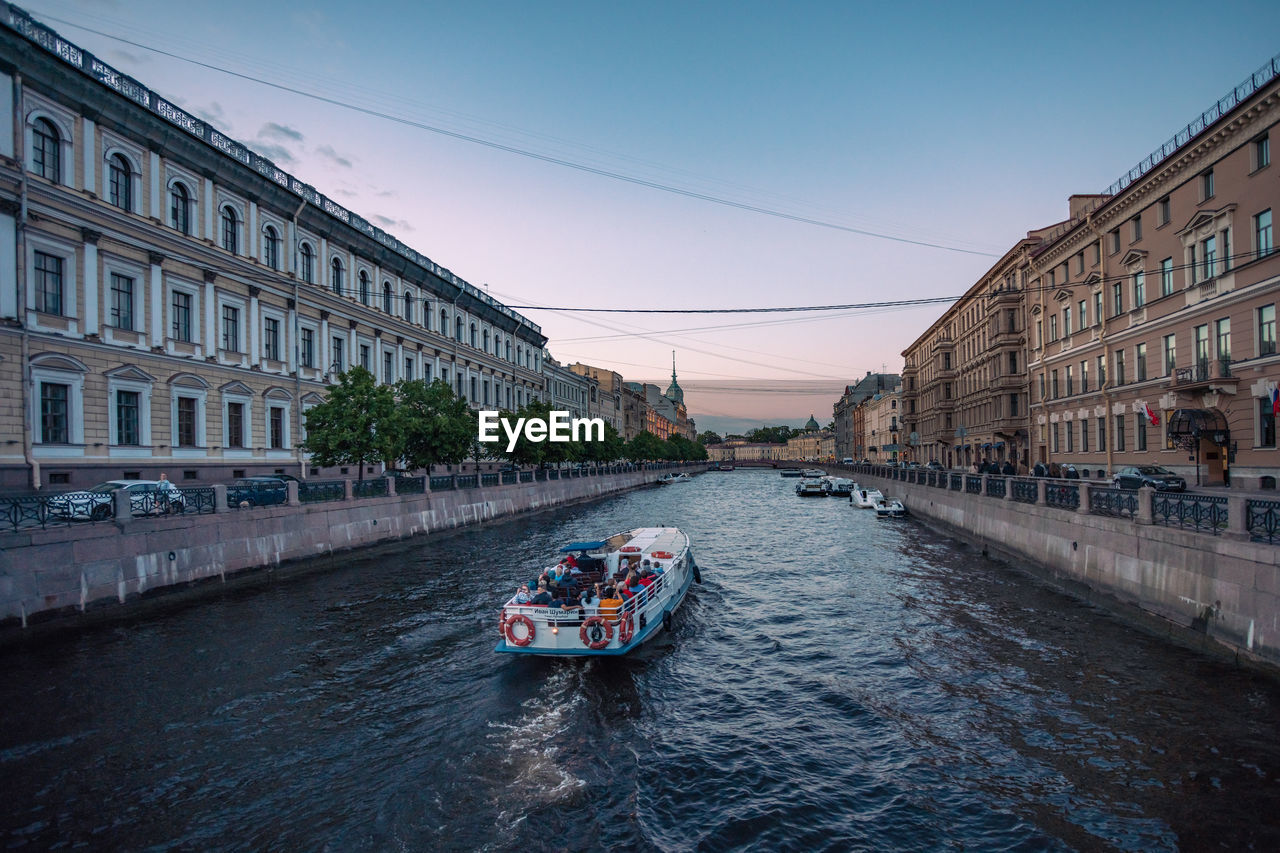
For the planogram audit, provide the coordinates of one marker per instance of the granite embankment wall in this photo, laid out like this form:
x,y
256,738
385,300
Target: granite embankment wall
x,y
64,571
1224,588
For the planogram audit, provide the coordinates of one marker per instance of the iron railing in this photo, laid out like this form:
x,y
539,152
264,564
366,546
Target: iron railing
x,y
467,481
1062,495
1117,503
996,487
411,485
28,511
1264,520
1026,491
972,484
1199,512
320,491
526,476
374,488
957,482
442,483
199,499
489,480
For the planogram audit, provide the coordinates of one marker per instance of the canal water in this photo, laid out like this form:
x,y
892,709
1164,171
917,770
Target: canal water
x,y
836,683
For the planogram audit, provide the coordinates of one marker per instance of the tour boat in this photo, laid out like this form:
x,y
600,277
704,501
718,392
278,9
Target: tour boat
x,y
865,498
811,489
668,479
890,508
838,486
790,472
541,630
815,473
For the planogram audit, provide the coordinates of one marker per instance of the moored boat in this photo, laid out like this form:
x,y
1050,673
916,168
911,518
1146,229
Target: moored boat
x,y
838,486
815,473
890,508
811,489
865,498
611,626
790,472
668,479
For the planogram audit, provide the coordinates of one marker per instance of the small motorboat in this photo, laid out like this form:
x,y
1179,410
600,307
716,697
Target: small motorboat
x,y
838,487
890,508
811,489
815,473
611,626
668,479
865,498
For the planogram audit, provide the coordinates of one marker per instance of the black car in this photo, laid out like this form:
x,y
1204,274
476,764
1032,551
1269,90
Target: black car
x,y
935,465
257,491
1156,476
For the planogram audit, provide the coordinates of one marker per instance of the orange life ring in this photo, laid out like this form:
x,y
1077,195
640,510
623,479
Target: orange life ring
x,y
502,624
590,622
626,628
511,633
630,549
662,555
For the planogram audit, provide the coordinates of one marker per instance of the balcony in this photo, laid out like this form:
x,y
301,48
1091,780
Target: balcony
x,y
1011,382
944,343
1205,375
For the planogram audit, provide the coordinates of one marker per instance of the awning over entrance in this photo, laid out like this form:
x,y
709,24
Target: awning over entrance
x,y
1206,423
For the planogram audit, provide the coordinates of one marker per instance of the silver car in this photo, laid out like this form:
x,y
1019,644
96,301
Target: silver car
x,y
146,497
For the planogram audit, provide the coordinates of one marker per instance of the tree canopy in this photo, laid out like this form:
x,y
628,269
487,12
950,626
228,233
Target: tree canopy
x,y
432,425
771,434
709,437
355,423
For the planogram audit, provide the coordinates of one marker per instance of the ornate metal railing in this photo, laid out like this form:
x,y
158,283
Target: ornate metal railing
x,y
259,494
320,491
199,499
996,487
489,479
151,504
467,481
1264,520
411,485
1062,495
1117,503
374,488
509,477
1026,491
526,476
28,511
957,482
972,484
1199,512
442,483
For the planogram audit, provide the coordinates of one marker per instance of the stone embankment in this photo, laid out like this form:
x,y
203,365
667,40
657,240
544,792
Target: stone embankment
x,y
1206,563
64,571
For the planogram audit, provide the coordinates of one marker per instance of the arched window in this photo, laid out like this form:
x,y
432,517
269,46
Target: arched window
x,y
486,340
473,334
335,276
271,247
508,349
426,314
364,287
497,344
46,155
408,307
519,354
386,296
458,333
444,322
230,230
120,182
308,269
180,208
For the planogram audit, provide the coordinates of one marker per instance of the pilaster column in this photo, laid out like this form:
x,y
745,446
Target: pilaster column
x,y
255,327
156,180
92,298
251,232
210,315
291,336
325,344
209,219
353,346
90,151
9,256
157,299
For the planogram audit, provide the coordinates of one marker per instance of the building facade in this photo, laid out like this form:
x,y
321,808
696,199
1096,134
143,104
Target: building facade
x,y
172,301
607,400
848,434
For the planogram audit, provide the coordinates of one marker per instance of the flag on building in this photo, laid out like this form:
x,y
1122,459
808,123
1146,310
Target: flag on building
x,y
1275,401
1151,416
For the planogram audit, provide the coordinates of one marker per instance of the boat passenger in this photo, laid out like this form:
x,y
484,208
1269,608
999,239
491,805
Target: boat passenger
x,y
611,604
543,595
571,561
657,568
590,601
523,596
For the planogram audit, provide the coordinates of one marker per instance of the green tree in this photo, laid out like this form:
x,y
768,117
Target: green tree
x,y
605,451
681,449
355,424
646,447
432,425
771,434
709,437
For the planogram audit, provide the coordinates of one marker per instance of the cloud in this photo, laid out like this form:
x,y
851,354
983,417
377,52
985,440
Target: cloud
x,y
386,224
271,130
212,113
334,156
385,194
122,57
278,154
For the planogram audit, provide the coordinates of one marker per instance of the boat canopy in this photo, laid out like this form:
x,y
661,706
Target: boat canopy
x,y
582,546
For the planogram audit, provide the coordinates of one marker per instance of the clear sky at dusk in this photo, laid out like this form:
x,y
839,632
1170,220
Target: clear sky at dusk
x,y
957,124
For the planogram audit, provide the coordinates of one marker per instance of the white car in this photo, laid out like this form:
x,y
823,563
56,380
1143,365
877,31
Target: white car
x,y
145,496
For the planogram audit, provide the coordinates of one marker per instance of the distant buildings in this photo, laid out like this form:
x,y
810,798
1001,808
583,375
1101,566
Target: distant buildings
x,y
852,439
814,444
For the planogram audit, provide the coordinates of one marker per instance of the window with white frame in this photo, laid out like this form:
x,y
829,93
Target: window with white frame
x,y
271,348
58,416
271,246
120,182
364,288
335,275
230,327
46,150
1166,277
180,207
307,346
307,263
50,283
1262,240
276,427
408,307
237,416
129,405
1267,330
122,293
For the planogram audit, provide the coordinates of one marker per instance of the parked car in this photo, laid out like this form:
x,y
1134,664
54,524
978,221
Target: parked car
x,y
1156,476
145,497
257,491
935,465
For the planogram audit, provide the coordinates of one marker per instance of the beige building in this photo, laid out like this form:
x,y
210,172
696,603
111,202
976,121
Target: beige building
x,y
738,450
606,395
881,420
171,301
1160,296
850,436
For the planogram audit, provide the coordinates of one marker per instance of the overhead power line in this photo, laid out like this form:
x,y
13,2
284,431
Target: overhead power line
x,y
534,155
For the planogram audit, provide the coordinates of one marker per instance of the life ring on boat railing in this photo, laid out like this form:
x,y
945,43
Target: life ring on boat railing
x,y
662,555
511,630
626,628
630,549
602,640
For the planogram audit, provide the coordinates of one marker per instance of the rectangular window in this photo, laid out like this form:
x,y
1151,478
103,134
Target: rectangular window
x,y
54,399
275,416
1261,152
388,367
230,328
1053,384
1084,314
1102,370
1200,345
1119,437
1118,360
1039,333
1139,289
1013,405
474,396
122,302
339,357
1262,233
1166,277
1222,336
181,315
1170,353
1013,363
235,424
1136,228
307,347
1267,330
1115,240
1140,431
271,338
1097,307
48,283
1041,387
1071,437
1209,258
408,369
1206,185
187,421
127,418
365,357
1080,262
1162,210
1066,321
1069,373
1102,433
1084,376
1053,327
1097,252
1117,299
1266,423
1053,432
1225,234
1084,436
1140,363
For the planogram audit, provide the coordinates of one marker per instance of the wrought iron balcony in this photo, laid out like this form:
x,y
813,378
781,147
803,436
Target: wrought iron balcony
x,y
1203,374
